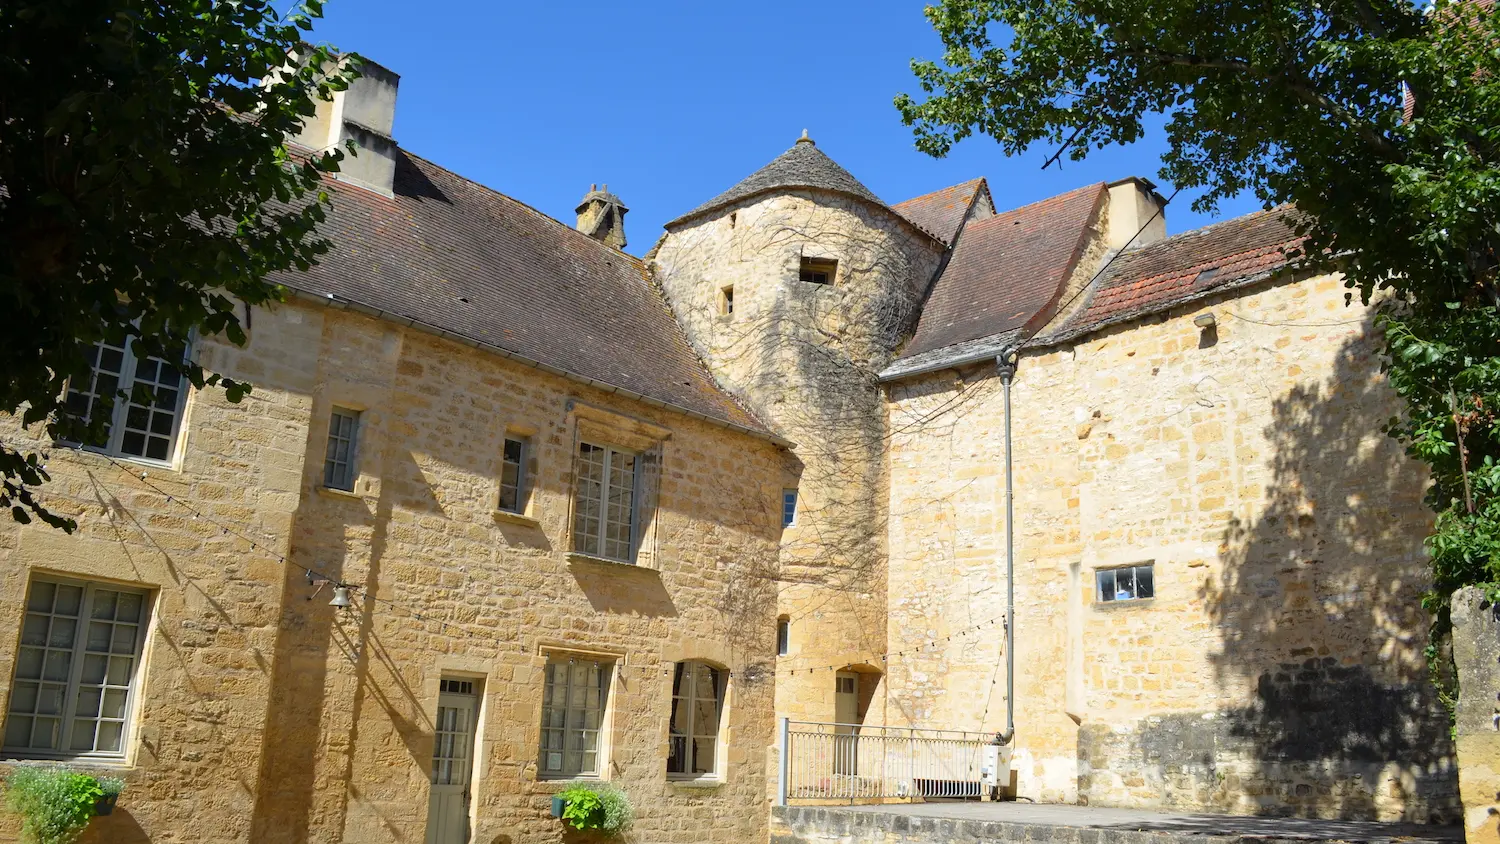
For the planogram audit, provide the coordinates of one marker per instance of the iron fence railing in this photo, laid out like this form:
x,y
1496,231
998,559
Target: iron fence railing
x,y
856,762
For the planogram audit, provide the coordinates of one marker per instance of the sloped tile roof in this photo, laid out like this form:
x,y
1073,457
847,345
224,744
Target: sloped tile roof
x,y
802,166
459,257
1005,270
942,212
1184,267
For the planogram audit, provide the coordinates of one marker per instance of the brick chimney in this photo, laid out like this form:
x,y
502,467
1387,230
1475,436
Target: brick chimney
x,y
365,113
601,215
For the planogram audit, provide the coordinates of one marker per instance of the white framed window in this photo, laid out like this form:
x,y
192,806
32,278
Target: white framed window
x,y
136,427
343,443
726,300
783,636
76,671
697,706
1131,583
573,699
788,507
605,506
513,480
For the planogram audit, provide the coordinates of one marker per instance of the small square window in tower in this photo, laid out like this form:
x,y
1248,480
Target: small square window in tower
x,y
818,270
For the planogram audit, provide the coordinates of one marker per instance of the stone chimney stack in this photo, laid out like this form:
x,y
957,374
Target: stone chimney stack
x,y
1136,210
365,113
601,215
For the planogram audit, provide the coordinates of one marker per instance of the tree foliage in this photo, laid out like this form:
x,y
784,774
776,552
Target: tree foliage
x,y
145,189
1302,102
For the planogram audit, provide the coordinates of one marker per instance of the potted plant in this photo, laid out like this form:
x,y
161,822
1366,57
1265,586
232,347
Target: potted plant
x,y
593,806
56,803
109,788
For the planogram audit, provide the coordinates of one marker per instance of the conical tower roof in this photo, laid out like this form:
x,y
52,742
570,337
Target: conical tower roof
x,y
802,166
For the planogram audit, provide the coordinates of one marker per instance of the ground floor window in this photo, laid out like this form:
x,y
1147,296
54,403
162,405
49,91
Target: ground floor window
x,y
76,669
697,704
573,699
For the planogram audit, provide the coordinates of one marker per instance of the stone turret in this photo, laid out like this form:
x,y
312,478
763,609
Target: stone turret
x,y
795,286
601,215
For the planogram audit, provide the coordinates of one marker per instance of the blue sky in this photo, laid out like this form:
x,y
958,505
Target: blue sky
x,y
670,103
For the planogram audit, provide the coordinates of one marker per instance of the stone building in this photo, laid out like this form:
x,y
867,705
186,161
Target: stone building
x,y
509,507
1217,553
483,431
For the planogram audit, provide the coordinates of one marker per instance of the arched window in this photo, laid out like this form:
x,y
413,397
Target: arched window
x,y
697,709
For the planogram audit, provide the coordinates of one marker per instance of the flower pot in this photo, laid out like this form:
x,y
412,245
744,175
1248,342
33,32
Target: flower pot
x,y
558,805
105,805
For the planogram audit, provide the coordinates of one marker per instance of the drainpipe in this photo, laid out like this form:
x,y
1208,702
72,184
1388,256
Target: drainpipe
x,y
1007,367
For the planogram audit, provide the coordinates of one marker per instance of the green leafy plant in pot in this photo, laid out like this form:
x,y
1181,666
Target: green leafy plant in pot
x,y
595,806
57,803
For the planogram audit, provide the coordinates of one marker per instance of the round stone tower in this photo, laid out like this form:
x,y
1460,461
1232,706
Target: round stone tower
x,y
796,286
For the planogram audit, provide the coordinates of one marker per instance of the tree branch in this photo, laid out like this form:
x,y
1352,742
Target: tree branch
x,y
1298,88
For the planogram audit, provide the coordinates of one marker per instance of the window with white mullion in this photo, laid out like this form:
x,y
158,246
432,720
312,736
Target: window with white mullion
x,y
697,704
75,670
572,713
605,509
144,430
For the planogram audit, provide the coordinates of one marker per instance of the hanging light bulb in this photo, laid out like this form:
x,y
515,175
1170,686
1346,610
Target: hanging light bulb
x,y
341,598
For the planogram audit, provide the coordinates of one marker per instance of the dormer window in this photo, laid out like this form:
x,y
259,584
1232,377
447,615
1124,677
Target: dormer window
x,y
818,270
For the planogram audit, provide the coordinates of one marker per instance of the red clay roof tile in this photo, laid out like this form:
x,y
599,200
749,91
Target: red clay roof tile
x,y
1183,267
942,212
1006,269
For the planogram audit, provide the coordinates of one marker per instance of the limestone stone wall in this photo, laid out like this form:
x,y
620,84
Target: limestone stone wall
x,y
804,357
1476,653
268,716
1279,667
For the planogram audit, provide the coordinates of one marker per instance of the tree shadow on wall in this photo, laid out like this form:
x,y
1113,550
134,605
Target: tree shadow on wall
x,y
1318,612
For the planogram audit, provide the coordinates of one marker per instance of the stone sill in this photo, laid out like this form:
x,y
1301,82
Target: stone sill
x,y
696,784
1130,603
555,784
79,763
580,557
516,519
342,494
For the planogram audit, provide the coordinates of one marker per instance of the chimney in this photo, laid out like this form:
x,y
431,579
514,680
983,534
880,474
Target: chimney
x,y
1136,210
601,215
365,112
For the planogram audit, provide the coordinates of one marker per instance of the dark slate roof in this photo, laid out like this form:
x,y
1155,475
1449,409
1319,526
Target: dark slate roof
x,y
458,257
942,212
802,166
1185,267
1005,270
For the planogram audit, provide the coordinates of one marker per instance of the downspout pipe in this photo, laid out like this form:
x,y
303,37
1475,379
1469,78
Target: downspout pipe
x,y
1006,364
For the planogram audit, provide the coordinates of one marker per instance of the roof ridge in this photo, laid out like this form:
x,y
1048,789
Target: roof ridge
x,y
1042,201
545,216
938,191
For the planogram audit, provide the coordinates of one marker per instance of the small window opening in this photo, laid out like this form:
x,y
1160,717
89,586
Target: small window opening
x,y
726,300
1132,583
818,270
733,217
513,481
788,507
783,636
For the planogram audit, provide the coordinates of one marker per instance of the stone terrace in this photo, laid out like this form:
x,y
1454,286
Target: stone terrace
x,y
972,823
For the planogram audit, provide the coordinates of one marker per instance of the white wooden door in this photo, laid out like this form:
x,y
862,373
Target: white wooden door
x,y
452,769
845,711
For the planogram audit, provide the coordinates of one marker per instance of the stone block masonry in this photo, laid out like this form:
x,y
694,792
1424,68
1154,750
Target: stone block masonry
x,y
264,715
1277,667
1001,823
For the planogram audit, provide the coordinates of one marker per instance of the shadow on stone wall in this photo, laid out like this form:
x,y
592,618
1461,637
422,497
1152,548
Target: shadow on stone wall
x,y
1321,630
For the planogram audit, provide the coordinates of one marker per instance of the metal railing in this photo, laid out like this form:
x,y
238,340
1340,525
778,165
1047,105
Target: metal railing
x,y
856,762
